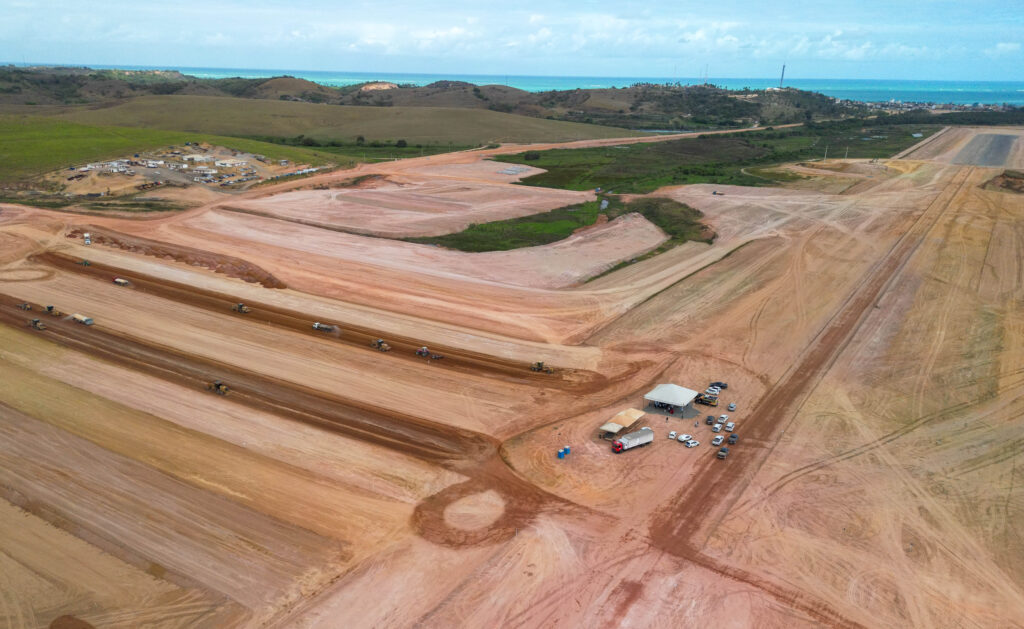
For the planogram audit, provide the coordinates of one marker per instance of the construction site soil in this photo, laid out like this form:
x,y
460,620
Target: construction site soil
x,y
867,322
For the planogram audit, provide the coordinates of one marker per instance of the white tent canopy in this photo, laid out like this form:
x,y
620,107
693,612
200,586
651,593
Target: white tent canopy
x,y
671,394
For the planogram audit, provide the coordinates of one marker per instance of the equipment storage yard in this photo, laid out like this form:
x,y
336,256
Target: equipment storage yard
x,y
872,341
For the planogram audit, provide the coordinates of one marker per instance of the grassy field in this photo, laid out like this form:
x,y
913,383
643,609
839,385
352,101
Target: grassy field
x,y
724,159
416,125
31,146
679,221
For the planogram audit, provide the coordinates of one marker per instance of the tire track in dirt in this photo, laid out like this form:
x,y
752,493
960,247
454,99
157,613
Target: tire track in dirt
x,y
714,492
403,348
472,454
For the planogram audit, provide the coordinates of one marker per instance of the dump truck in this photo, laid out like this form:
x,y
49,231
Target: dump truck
x,y
380,345
218,387
539,366
242,308
636,439
323,327
121,281
81,318
36,324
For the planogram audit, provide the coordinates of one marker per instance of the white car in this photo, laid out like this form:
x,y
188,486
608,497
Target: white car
x,y
672,435
685,438
717,441
731,426
692,443
732,406
712,390
716,428
723,418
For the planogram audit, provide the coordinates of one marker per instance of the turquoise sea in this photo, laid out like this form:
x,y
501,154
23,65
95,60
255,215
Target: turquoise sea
x,y
958,92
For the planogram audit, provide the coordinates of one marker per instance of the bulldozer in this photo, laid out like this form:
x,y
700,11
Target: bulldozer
x,y
540,367
25,306
53,312
380,345
323,327
217,387
36,324
242,308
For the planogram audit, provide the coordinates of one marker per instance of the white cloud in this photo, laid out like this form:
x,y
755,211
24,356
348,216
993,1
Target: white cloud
x,y
1002,49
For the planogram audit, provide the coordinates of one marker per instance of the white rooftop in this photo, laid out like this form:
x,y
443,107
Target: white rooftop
x,y
671,394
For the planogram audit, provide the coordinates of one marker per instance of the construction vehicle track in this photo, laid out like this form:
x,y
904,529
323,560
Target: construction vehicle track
x,y
455,359
472,454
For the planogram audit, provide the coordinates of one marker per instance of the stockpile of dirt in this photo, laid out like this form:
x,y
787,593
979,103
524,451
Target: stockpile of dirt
x,y
228,265
1009,181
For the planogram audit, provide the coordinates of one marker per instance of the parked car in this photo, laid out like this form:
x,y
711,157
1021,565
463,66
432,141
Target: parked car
x,y
692,443
730,426
710,420
732,406
717,441
724,452
716,428
723,418
723,385
672,435
712,391
685,438
733,438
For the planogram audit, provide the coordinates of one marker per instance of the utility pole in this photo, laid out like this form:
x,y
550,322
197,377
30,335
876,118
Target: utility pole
x,y
783,75
847,153
826,155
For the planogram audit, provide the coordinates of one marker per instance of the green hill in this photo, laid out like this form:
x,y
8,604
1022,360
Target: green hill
x,y
270,118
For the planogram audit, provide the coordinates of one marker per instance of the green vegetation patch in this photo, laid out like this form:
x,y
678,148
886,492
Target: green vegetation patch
x,y
679,221
31,146
722,159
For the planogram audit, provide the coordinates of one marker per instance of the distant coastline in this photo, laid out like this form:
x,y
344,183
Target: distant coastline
x,y
863,90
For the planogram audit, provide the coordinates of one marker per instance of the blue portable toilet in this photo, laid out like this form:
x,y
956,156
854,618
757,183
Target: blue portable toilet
x,y
561,454
566,448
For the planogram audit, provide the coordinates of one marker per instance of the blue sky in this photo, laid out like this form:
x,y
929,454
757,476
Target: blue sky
x,y
869,39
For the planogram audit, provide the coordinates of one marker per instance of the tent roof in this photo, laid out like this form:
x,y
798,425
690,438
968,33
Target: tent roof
x,y
671,394
628,417
611,427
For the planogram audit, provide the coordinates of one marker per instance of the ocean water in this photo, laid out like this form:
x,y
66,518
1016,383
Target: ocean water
x,y
958,92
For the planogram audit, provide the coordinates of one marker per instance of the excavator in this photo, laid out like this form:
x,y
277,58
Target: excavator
x,y
540,367
380,345
218,387
25,306
53,312
242,308
36,324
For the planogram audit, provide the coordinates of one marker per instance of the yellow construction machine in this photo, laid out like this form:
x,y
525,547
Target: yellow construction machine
x,y
242,308
218,387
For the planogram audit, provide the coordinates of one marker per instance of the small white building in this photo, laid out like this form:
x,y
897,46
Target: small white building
x,y
230,163
198,158
204,170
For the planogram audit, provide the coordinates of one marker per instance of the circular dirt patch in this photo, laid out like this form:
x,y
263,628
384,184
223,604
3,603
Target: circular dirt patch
x,y
475,511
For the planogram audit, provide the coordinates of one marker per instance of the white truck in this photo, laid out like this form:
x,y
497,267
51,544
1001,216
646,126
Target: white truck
x,y
636,439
